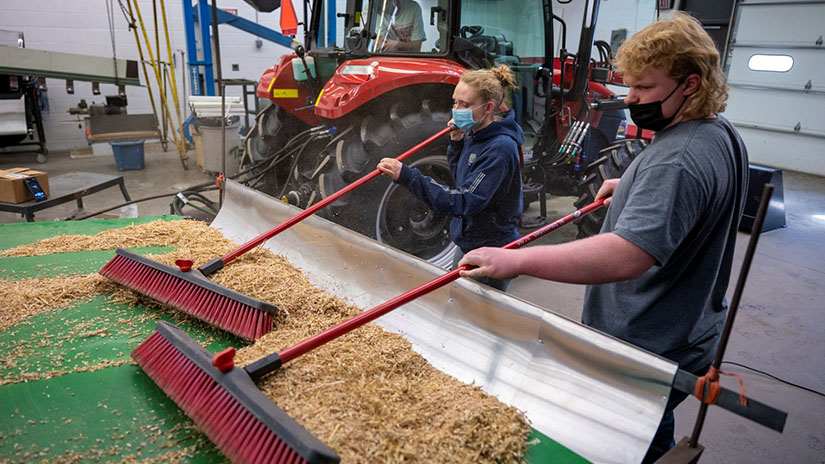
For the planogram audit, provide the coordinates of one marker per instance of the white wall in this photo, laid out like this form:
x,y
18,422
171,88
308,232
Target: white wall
x,y
81,26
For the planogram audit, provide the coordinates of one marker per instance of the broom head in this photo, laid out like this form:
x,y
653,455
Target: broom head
x,y
191,293
244,424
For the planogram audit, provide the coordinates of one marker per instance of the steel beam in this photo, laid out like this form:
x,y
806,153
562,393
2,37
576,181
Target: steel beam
x,y
28,62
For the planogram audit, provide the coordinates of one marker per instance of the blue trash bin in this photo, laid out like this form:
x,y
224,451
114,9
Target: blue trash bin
x,y
128,155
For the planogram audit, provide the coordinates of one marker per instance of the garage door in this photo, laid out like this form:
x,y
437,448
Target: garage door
x,y
776,71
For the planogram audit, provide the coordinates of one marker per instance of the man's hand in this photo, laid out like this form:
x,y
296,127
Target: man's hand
x,y
401,45
456,134
390,45
491,262
390,167
606,190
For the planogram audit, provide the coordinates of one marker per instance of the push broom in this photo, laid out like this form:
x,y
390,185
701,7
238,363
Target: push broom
x,y
192,293
222,399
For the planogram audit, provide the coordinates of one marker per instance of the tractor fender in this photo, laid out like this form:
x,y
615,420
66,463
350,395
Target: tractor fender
x,y
357,82
278,84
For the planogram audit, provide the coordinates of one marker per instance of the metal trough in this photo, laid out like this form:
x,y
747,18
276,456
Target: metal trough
x,y
596,395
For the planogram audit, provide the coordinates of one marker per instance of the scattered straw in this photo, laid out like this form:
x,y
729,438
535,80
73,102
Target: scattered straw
x,y
367,395
22,299
180,234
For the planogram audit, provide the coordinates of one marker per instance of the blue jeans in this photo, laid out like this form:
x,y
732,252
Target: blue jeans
x,y
663,441
500,284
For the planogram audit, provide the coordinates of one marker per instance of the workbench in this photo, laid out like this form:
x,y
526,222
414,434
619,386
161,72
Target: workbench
x,y
84,397
64,188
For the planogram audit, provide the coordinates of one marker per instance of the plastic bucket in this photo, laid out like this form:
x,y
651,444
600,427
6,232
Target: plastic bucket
x,y
128,155
211,145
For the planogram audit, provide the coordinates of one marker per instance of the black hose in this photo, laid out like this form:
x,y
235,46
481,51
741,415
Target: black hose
x,y
177,204
295,163
261,162
139,200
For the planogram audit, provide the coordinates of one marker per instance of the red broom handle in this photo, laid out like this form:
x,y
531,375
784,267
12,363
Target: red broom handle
x,y
325,202
378,311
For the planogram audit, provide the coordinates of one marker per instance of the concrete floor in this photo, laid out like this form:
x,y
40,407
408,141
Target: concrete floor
x,y
163,173
779,328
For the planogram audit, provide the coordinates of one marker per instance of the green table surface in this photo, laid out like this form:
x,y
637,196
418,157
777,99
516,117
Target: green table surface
x,y
78,395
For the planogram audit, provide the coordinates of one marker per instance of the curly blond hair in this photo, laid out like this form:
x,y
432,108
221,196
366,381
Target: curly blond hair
x,y
681,47
490,84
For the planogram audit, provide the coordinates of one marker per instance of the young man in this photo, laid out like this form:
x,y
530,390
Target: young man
x,y
400,27
658,271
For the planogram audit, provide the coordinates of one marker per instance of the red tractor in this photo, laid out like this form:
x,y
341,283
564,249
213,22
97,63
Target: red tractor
x,y
390,86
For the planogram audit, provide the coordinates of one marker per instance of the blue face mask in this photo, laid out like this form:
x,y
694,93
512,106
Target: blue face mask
x,y
463,118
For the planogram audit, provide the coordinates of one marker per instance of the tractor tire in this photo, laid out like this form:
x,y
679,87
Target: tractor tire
x,y
610,164
381,209
273,128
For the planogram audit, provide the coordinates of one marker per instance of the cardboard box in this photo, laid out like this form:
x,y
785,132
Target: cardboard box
x,y
12,188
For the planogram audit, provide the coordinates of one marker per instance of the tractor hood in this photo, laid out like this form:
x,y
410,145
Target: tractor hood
x,y
356,82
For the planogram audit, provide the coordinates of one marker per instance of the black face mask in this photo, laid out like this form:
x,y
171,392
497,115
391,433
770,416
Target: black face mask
x,y
649,115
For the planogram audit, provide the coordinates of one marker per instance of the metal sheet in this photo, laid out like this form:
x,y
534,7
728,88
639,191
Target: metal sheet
x,y
594,394
122,127
28,62
13,116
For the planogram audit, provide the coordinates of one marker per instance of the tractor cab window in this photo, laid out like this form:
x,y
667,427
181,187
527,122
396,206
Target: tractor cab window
x,y
406,26
510,33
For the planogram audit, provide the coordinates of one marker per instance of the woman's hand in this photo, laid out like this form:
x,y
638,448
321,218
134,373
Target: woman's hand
x,y
455,134
390,167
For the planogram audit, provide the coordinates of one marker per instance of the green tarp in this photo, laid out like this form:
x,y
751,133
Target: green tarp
x,y
69,387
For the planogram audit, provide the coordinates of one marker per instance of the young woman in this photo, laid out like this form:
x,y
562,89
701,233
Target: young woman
x,y
483,158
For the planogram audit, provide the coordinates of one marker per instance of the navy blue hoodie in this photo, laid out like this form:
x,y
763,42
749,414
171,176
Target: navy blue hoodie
x,y
486,202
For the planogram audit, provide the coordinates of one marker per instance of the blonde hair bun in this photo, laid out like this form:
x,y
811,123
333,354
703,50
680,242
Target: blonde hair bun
x,y
490,84
505,76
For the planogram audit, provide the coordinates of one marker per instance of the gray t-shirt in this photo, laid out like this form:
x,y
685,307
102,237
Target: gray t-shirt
x,y
680,200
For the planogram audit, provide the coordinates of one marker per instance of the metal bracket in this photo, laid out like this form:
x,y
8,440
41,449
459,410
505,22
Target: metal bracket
x,y
756,411
95,88
70,86
682,453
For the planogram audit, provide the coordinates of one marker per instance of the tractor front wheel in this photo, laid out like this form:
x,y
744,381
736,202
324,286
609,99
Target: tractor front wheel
x,y
382,209
404,222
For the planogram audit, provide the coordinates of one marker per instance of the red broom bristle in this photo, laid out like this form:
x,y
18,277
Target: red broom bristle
x,y
239,435
233,316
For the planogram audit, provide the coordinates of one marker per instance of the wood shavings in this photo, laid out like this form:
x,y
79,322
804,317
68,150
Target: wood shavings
x,y
30,376
22,299
367,395
179,234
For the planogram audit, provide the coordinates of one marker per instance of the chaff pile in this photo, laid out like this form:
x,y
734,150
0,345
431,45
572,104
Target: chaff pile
x,y
368,395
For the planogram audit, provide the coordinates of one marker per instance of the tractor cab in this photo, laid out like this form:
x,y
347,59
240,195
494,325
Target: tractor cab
x,y
473,34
